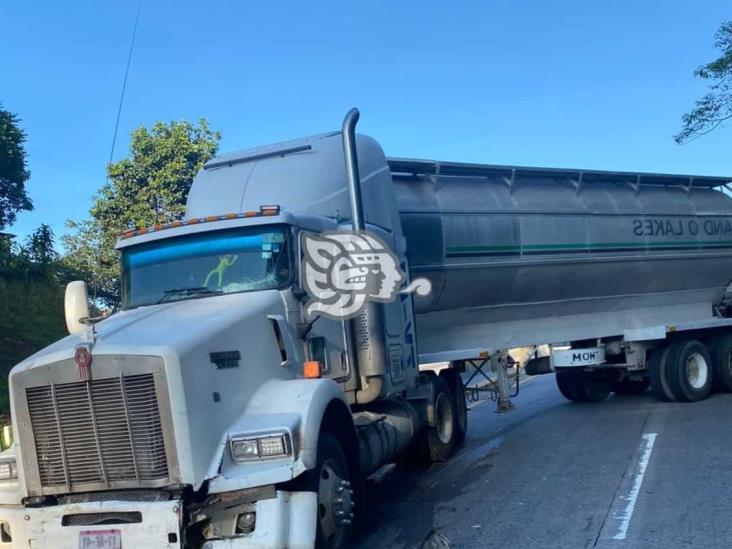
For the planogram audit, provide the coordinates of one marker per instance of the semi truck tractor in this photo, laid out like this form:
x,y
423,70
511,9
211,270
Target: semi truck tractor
x,y
308,319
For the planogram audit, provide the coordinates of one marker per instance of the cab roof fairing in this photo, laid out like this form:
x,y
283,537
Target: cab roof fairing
x,y
305,175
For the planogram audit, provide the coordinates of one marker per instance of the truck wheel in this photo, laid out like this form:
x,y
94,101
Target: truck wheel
x,y
631,386
331,481
721,349
566,385
457,391
580,386
658,372
689,367
441,437
437,443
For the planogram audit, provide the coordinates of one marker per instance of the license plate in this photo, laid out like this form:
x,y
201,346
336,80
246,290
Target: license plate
x,y
578,357
100,539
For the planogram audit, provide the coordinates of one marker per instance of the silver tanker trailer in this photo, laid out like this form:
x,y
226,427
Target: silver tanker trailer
x,y
272,347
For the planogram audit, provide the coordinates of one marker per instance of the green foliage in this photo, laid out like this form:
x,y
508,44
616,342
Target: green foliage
x,y
13,169
31,300
148,187
715,107
39,246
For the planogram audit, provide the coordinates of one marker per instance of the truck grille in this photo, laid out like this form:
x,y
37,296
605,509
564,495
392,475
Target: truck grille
x,y
104,431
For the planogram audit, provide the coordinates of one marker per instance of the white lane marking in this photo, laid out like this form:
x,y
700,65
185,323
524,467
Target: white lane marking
x,y
647,448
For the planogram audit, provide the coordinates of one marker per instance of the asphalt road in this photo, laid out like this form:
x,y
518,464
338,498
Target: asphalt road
x,y
629,472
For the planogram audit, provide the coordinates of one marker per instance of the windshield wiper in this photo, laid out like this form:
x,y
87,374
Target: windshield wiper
x,y
185,292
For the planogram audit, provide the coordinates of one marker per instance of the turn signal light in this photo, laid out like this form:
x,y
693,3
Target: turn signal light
x,y
311,369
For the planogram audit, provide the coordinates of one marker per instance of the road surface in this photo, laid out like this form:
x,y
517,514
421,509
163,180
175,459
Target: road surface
x,y
628,472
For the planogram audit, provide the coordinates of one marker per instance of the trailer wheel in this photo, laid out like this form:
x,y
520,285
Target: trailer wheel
x,y
631,386
580,386
658,372
690,373
331,481
721,349
566,384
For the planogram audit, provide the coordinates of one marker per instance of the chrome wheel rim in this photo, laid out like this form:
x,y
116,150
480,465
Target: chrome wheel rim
x,y
335,502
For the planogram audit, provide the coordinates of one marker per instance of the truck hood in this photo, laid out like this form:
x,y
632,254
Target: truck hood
x,y
178,326
206,396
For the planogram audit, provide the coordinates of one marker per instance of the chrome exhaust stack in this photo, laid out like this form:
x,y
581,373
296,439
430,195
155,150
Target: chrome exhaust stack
x,y
368,327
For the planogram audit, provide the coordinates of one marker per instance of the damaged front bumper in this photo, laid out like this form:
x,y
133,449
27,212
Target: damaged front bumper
x,y
156,525
287,520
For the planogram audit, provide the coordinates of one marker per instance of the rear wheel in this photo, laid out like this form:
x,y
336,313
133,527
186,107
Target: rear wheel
x,y
435,443
658,371
721,350
440,439
689,369
581,386
457,391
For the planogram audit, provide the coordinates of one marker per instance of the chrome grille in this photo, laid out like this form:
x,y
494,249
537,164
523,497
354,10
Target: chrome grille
x,y
104,431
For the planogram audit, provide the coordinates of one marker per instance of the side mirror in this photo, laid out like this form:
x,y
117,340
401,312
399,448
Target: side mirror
x,y
76,306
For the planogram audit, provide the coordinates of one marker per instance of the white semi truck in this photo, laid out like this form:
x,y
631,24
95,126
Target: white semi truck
x,y
225,405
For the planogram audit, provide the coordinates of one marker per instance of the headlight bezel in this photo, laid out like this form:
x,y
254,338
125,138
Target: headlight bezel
x,y
12,470
256,441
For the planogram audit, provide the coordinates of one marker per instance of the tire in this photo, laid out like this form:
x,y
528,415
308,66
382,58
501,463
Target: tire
x,y
440,439
331,481
721,349
689,370
657,370
433,444
631,386
578,385
457,390
566,385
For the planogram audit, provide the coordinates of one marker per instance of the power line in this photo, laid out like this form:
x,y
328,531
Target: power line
x,y
124,82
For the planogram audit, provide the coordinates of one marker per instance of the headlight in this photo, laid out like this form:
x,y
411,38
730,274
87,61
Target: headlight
x,y
246,448
8,470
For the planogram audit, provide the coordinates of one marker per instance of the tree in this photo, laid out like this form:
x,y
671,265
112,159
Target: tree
x,y
39,246
13,169
715,108
148,187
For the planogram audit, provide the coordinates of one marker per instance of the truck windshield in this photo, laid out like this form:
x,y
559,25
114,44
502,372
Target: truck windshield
x,y
200,265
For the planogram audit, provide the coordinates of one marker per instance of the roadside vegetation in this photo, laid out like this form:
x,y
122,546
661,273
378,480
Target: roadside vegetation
x,y
147,187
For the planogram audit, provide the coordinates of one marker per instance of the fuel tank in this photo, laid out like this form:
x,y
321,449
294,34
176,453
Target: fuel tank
x,y
522,256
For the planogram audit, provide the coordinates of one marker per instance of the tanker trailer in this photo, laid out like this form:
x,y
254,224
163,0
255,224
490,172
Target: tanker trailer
x,y
624,274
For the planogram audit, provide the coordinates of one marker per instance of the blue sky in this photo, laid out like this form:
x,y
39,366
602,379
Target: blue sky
x,y
568,83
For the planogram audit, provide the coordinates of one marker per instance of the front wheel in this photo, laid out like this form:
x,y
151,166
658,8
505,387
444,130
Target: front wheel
x,y
331,480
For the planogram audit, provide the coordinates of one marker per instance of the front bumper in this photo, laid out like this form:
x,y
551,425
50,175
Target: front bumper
x,y
286,521
42,527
